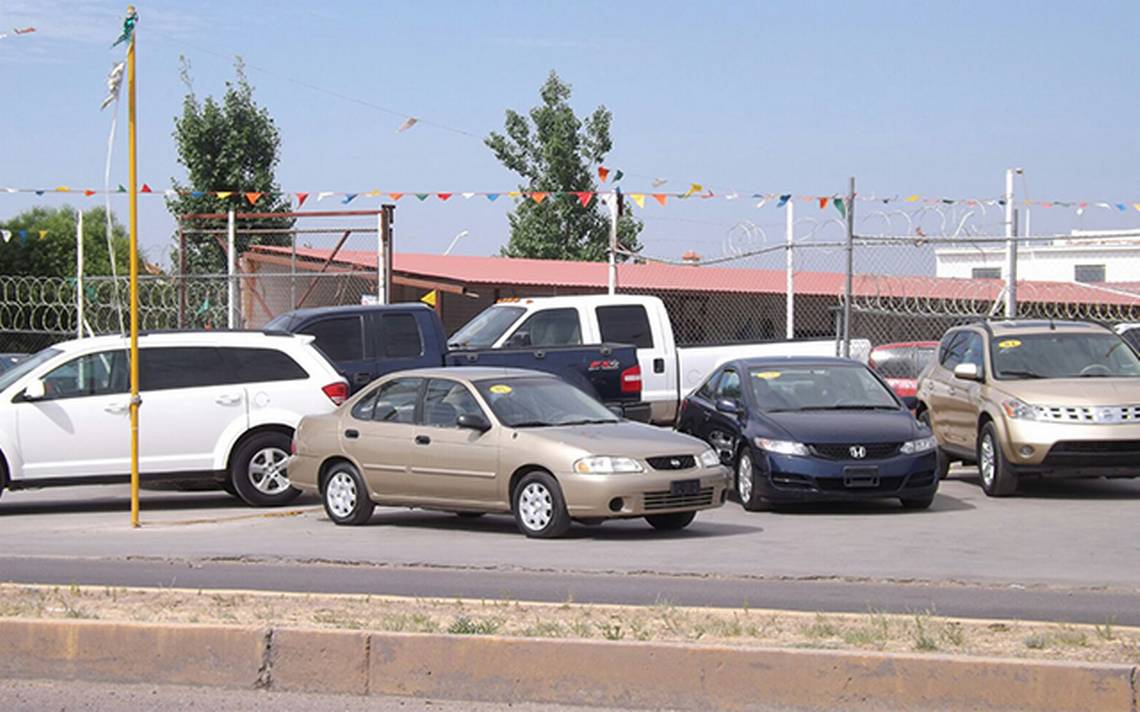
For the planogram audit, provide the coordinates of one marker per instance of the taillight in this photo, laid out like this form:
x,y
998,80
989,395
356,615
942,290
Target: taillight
x,y
293,445
337,392
631,380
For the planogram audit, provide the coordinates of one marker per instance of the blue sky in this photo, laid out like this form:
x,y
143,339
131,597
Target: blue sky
x,y
929,98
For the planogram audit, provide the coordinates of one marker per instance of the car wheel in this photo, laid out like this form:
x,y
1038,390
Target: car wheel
x,y
540,510
997,479
228,485
942,468
345,496
917,502
469,515
671,522
257,470
746,482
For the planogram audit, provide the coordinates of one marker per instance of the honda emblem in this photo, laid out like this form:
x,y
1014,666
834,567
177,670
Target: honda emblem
x,y
858,452
675,463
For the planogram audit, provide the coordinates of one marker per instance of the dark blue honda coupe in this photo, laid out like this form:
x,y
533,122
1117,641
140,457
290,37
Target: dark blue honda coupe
x,y
801,429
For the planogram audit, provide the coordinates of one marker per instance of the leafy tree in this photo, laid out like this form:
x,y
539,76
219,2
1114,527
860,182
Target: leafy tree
x,y
556,151
25,253
228,146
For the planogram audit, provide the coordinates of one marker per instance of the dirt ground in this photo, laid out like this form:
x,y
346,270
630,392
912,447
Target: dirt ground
x,y
918,632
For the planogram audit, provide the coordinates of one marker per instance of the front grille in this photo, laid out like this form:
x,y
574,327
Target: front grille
x,y
668,500
1094,453
875,451
1088,414
1096,447
672,462
835,484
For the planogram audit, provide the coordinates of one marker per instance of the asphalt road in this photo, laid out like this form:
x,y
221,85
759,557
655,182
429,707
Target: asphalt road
x,y
1062,551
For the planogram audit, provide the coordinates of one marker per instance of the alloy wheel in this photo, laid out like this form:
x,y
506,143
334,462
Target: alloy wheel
x,y
267,470
987,461
744,477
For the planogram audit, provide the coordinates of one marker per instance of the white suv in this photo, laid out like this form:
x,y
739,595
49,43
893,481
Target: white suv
x,y
216,406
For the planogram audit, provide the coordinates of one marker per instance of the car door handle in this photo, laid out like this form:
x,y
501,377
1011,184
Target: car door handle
x,y
116,408
352,434
659,365
228,399
423,440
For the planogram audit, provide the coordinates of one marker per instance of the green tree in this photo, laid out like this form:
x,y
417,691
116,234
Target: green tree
x,y
27,254
228,146
556,151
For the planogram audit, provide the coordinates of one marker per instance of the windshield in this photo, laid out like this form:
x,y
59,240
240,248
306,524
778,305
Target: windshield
x,y
18,371
535,402
485,329
1063,355
792,388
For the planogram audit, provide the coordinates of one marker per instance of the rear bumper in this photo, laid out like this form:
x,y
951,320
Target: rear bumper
x,y
639,412
784,478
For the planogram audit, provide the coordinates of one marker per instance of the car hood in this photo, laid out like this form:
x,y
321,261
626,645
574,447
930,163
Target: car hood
x,y
842,426
625,439
1073,391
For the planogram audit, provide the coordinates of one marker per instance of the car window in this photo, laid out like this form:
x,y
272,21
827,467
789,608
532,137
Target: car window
x,y
26,366
974,351
729,385
1132,337
1063,355
953,350
340,338
401,336
708,389
486,328
396,401
363,408
181,367
549,327
445,401
97,374
838,387
626,324
261,365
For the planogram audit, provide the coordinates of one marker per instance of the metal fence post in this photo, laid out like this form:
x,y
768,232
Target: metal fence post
x,y
789,263
79,273
231,271
847,286
1011,271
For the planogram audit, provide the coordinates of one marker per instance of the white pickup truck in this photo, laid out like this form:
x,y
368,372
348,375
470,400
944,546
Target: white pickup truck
x,y
668,372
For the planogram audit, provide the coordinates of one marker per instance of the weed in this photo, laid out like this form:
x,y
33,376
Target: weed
x,y
611,630
545,629
423,623
820,628
1106,632
1071,637
639,630
923,640
1037,641
954,634
467,626
581,629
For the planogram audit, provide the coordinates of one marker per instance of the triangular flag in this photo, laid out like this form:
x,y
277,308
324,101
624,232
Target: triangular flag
x,y
253,198
6,235
784,200
658,182
443,196
618,175
395,196
408,123
121,189
468,196
660,197
840,206
1120,207
324,194
584,198
638,198
145,189
43,234
422,196
492,197
514,193
823,202
301,198
693,188
223,194
603,172
170,193
372,193
62,189
761,203
348,198
39,192
912,199
430,298
197,193
89,193
538,197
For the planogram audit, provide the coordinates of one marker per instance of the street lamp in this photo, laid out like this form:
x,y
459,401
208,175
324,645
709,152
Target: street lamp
x,y
455,240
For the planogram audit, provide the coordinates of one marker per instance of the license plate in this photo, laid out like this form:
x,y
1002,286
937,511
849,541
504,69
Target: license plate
x,y
685,487
856,477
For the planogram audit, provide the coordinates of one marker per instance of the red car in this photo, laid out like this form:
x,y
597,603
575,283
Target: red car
x,y
899,364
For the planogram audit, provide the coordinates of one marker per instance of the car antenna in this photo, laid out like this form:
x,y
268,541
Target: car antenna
x,y
1052,326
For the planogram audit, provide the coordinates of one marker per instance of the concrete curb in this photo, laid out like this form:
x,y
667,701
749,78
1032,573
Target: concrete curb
x,y
583,672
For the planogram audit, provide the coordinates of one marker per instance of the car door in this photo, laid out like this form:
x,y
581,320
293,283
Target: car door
x,y
81,427
964,398
629,324
935,388
722,430
397,343
450,463
697,408
189,402
379,433
341,339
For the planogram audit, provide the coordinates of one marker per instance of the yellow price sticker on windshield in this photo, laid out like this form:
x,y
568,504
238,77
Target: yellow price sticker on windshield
x,y
767,375
500,389
1009,344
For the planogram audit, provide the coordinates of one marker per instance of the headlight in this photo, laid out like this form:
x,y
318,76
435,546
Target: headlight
x,y
709,458
602,465
781,447
1017,410
914,447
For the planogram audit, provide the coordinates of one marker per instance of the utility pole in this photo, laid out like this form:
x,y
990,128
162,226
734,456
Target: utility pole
x,y
789,263
1010,246
384,253
79,296
615,213
132,144
231,271
848,284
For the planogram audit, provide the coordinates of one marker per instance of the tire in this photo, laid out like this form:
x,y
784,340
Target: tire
x,y
997,478
745,481
228,486
917,502
942,468
539,507
469,515
345,496
255,470
671,522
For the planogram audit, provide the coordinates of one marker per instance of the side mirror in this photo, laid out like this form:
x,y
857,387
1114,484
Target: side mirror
x,y
911,402
730,406
967,372
35,391
474,421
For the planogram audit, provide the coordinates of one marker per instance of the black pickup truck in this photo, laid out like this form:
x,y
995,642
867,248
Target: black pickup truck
x,y
368,341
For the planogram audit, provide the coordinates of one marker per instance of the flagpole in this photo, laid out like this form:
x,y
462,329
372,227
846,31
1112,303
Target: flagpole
x,y
134,282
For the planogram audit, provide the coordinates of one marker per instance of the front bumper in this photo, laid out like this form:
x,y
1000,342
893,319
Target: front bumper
x,y
640,494
789,478
1072,449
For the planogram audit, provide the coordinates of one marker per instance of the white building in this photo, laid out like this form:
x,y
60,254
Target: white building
x,y
1087,256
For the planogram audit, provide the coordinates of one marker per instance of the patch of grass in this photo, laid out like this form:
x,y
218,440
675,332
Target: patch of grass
x,y
1037,641
640,630
545,629
1071,637
820,628
874,634
611,630
954,634
582,629
921,635
469,626
1105,632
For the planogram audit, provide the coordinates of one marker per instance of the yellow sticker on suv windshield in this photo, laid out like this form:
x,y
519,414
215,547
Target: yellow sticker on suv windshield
x,y
1009,344
767,375
500,388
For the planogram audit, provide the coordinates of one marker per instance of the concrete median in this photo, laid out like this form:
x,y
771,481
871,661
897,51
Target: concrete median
x,y
498,669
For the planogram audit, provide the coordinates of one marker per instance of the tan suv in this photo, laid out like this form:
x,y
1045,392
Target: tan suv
x,y
1034,399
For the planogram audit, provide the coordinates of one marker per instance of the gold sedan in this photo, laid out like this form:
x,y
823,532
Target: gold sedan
x,y
476,440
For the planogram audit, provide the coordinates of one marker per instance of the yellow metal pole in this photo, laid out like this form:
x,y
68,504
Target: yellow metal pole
x,y
134,360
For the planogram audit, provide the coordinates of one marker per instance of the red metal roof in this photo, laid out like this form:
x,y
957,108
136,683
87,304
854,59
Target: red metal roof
x,y
466,269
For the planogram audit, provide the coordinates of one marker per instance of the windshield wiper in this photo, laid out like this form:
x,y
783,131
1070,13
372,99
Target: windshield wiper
x,y
532,424
587,422
851,406
1021,374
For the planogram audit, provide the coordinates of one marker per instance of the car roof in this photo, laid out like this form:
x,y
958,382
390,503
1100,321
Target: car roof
x,y
470,373
1002,327
786,361
354,309
201,336
905,344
